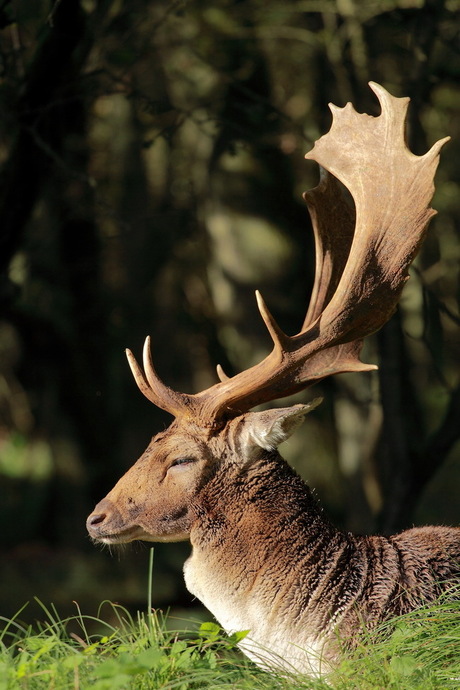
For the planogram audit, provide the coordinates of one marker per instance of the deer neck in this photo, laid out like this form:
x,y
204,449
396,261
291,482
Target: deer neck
x,y
258,541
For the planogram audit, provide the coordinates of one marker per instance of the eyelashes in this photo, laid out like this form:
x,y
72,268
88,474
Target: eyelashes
x,y
183,462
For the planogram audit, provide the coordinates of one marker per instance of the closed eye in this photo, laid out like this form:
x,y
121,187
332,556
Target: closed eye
x,y
180,462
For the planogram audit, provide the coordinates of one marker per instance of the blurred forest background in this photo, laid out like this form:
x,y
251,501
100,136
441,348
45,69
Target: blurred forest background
x,y
151,175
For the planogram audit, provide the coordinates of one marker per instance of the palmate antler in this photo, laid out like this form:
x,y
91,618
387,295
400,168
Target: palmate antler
x,y
361,266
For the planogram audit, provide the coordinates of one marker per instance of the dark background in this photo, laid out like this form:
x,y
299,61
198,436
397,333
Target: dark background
x,y
151,177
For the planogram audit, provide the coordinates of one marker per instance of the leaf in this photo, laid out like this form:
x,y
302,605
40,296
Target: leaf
x,y
403,665
209,631
236,637
150,658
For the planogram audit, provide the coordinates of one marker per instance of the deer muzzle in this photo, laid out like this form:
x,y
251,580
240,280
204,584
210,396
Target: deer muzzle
x,y
106,524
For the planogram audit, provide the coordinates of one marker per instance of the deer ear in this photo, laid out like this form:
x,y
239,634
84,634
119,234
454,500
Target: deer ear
x,y
269,428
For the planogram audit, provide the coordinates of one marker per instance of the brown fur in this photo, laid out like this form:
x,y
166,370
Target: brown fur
x,y
263,552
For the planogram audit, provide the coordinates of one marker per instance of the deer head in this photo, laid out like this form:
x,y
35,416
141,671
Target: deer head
x,y
363,257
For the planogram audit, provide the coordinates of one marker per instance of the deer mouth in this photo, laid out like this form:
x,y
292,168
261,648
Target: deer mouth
x,y
121,537
134,534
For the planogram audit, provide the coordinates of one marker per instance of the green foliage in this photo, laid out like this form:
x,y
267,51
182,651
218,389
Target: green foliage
x,y
419,651
134,654
151,157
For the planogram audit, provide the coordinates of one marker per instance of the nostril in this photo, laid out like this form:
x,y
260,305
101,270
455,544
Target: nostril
x,y
96,519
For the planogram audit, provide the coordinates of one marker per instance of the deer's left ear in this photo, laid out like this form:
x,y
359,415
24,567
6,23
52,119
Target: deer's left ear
x,y
269,428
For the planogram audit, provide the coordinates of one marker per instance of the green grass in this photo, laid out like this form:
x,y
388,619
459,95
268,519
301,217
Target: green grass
x,y
419,651
129,653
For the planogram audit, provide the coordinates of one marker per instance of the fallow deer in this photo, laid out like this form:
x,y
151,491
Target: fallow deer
x,y
264,557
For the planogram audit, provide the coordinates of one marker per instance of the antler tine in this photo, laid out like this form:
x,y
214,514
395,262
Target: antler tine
x,y
139,376
150,384
154,380
221,374
280,339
